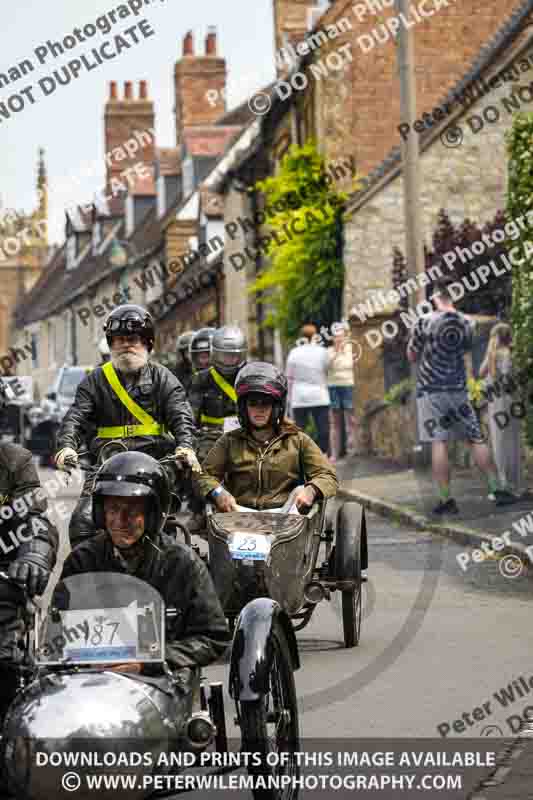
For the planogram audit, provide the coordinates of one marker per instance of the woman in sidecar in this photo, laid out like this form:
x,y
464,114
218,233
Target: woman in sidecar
x,y
265,459
267,465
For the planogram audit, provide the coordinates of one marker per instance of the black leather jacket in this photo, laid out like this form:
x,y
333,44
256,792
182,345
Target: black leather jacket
x,y
199,634
208,400
154,388
184,374
25,529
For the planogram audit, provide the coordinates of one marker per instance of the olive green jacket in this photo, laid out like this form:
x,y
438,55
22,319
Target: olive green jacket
x,y
262,476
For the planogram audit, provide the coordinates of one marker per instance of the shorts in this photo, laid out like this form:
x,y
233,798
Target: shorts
x,y
341,397
447,415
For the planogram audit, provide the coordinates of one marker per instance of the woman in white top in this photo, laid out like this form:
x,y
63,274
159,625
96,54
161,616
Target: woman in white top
x,y
340,385
504,426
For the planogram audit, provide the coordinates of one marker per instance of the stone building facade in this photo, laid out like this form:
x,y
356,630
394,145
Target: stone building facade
x,y
463,169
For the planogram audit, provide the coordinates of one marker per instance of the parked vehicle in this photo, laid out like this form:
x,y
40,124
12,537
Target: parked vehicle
x,y
46,418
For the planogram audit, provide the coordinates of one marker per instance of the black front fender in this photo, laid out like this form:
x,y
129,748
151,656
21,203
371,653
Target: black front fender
x,y
351,547
252,651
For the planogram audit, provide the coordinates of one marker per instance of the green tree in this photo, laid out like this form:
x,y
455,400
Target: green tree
x,y
520,204
305,275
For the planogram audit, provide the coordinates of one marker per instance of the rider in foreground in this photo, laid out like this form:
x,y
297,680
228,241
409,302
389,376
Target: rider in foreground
x,y
28,543
261,462
130,502
128,398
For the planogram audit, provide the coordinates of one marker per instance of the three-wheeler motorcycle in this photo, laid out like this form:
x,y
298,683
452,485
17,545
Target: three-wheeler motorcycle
x,y
75,721
275,554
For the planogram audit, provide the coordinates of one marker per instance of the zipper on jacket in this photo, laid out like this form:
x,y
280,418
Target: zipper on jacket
x,y
262,455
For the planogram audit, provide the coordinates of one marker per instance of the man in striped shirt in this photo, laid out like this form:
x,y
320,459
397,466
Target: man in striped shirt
x,y
438,344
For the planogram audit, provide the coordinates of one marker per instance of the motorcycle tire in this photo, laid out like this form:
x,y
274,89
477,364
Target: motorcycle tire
x,y
257,715
352,608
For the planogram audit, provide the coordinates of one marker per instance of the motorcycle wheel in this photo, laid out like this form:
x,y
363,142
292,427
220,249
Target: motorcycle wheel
x,y
348,559
352,606
270,724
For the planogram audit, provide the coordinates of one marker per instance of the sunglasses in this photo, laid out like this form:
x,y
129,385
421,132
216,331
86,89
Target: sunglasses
x,y
259,402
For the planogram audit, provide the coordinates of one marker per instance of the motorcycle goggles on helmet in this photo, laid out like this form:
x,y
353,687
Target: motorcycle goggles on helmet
x,y
130,320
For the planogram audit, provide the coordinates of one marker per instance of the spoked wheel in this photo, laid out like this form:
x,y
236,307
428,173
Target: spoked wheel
x,y
352,608
270,725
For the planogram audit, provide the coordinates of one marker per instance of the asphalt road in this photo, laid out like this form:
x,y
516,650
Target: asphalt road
x,y
436,644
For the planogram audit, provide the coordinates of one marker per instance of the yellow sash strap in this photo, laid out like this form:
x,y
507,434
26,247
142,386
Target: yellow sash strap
x,y
149,426
223,384
212,420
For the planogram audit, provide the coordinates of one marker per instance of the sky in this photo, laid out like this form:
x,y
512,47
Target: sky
x,y
68,123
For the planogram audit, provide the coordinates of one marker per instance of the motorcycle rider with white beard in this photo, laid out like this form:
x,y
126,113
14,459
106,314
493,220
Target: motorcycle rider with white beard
x,y
128,398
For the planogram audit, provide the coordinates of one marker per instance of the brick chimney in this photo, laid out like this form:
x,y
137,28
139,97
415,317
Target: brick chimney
x,y
128,120
291,23
195,77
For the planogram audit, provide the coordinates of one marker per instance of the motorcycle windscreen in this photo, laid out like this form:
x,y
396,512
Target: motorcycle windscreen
x,y
102,618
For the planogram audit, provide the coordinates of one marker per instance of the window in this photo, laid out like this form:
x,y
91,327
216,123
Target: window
x,y
67,338
35,350
188,176
51,337
161,200
71,251
97,237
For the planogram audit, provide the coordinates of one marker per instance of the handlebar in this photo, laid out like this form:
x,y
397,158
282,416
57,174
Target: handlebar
x,y
169,459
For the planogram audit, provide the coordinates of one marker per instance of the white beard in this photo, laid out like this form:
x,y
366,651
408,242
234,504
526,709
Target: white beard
x,y
128,363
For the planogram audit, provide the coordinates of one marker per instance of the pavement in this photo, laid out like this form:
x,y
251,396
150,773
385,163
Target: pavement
x,y
407,497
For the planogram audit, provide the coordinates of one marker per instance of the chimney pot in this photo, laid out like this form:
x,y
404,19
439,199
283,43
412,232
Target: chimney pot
x,y
188,44
113,90
211,42
143,90
128,90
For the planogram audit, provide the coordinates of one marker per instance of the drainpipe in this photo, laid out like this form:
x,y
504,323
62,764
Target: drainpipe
x,y
258,265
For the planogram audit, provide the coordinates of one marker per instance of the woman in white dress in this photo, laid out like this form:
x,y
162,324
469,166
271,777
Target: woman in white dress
x,y
504,427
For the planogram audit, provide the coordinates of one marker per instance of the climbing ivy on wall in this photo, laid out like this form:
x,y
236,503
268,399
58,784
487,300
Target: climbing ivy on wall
x,y
305,275
519,142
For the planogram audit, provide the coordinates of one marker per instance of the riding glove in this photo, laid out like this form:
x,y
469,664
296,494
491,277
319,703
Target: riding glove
x,y
31,573
66,454
189,456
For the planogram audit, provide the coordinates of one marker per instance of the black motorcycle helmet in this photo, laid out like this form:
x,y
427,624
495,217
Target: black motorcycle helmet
x,y
229,345
130,319
183,344
258,377
201,343
133,474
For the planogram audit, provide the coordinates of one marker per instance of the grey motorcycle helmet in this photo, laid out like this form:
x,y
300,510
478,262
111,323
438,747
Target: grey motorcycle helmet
x,y
258,377
183,344
229,351
201,343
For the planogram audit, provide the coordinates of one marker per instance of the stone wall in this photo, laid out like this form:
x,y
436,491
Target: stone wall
x,y
468,180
